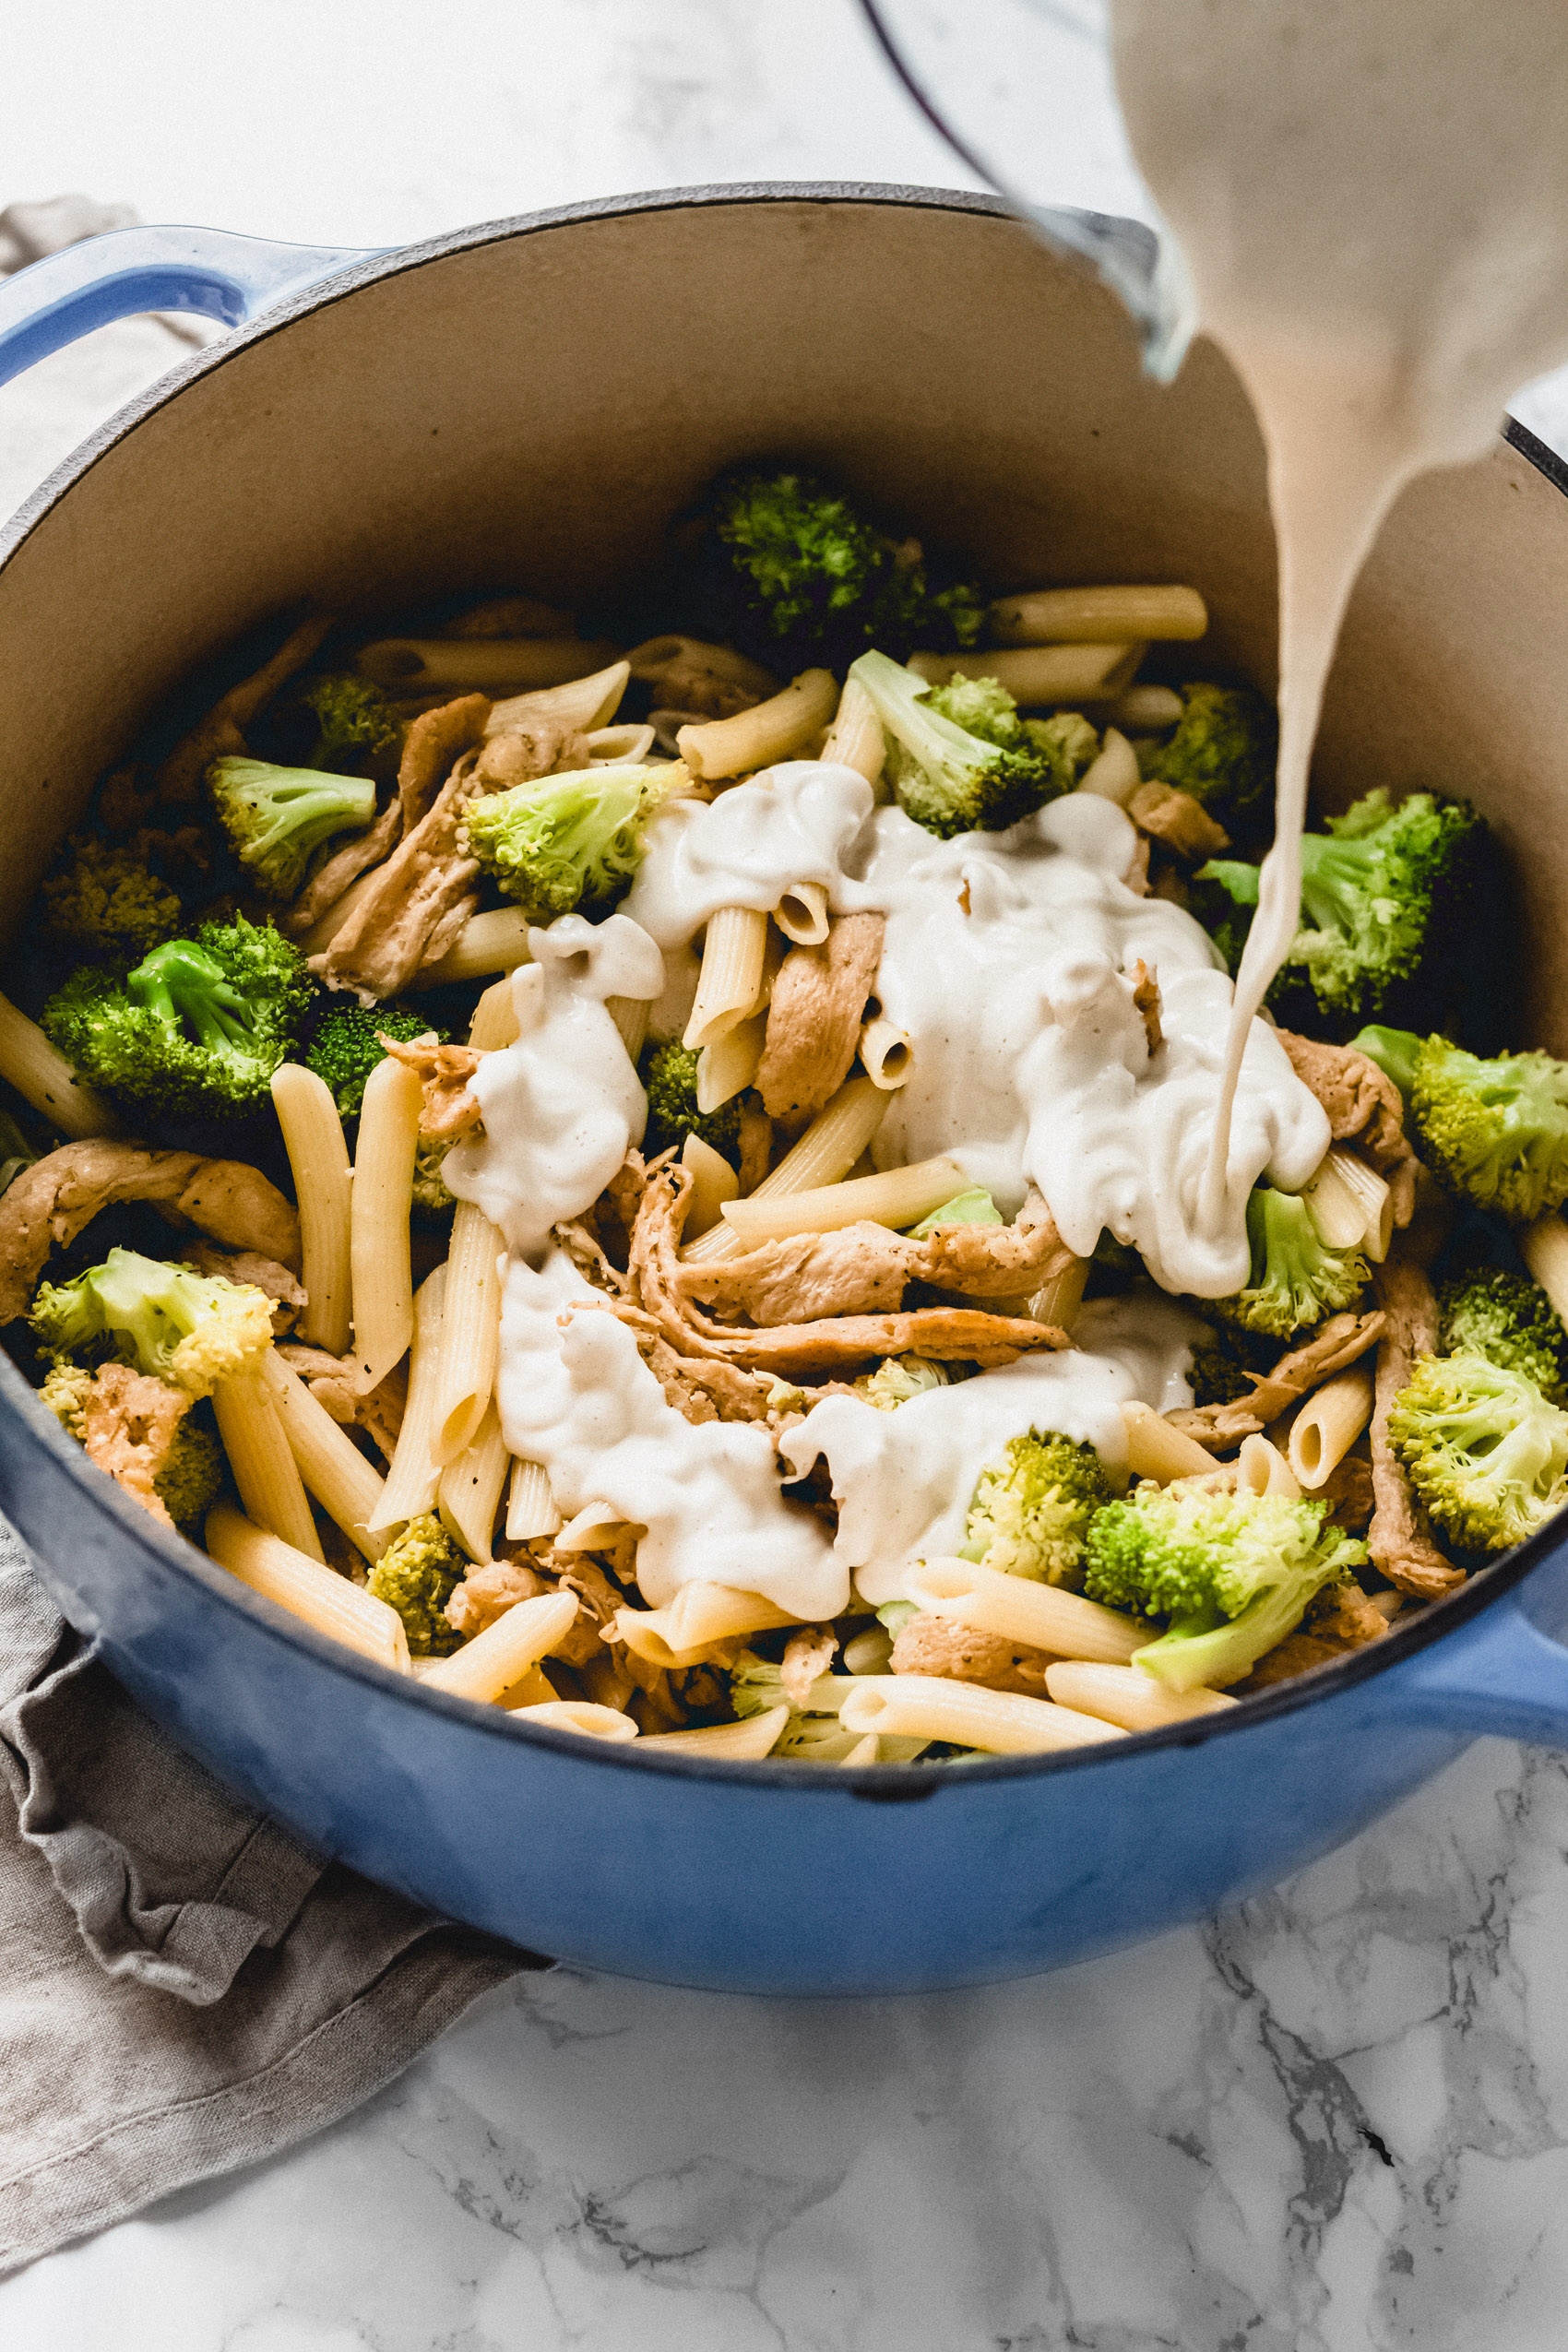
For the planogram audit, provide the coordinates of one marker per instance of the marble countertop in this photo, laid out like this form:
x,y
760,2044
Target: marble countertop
x,y
1334,2121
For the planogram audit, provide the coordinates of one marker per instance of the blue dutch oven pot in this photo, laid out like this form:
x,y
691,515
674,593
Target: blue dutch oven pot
x,y
522,405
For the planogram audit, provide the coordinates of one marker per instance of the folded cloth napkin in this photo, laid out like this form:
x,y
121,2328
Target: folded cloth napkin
x,y
183,1988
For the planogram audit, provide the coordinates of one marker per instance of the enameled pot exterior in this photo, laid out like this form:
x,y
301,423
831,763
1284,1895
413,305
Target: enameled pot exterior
x,y
522,408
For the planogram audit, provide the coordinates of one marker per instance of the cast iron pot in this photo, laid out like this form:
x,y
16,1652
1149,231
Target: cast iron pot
x,y
524,405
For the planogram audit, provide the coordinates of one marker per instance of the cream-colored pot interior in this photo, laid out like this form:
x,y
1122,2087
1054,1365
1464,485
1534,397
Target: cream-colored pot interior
x,y
526,408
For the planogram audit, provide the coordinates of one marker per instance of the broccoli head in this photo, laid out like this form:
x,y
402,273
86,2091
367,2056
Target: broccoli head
x,y
1231,1573
800,579
1216,1371
1485,1450
196,1029
106,903
347,1046
65,1392
278,817
668,1073
359,727
417,1576
431,1197
1496,1130
574,842
1067,733
947,776
1032,1509
898,1379
1223,752
1296,1280
1510,1321
189,1329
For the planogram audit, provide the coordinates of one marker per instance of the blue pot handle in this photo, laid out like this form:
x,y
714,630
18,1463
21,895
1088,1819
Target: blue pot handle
x,y
223,277
1506,1671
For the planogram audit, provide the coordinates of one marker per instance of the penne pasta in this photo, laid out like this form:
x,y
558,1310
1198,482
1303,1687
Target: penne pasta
x,y
495,1021
630,1017
751,1740
1126,1695
43,1077
347,1486
470,1332
855,739
325,929
828,1149
595,1527
503,1653
1058,1301
1098,616
625,747
533,1688
886,1056
580,705
1003,1723
411,1482
1155,1449
1022,1611
470,1493
531,1507
1113,774
727,1067
479,665
894,1197
495,941
378,1226
343,1611
262,1463
733,954
318,1158
580,1716
778,728
1544,1246
1261,1468
1036,675
714,1182
701,1615
865,1752
1328,1425
802,914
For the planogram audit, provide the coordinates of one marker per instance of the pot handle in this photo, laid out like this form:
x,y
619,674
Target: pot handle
x,y
127,272
1506,1671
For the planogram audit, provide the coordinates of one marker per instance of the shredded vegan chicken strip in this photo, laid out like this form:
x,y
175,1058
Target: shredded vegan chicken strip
x,y
330,1380
1342,1341
1181,822
1400,1539
929,1645
222,730
1146,998
1363,1107
814,1018
450,1110
807,1654
128,1424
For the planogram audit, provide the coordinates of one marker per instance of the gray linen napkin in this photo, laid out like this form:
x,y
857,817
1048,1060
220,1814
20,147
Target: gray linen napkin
x,y
183,1988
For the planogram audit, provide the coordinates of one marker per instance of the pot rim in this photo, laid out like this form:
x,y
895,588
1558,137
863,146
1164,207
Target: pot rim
x,y
875,1782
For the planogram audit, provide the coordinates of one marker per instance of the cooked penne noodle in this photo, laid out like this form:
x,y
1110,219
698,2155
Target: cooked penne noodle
x,y
581,705
714,1182
700,1615
595,1527
533,1688
1328,1425
1038,675
343,1611
855,739
1155,1449
753,1738
496,942
1261,1468
264,1466
625,747
531,1508
470,1493
580,1716
802,914
1022,1611
894,1197
1126,1695
1370,1191
347,1486
503,1653
46,1079
470,1332
886,1054
865,1752
828,1149
479,665
1099,615
732,952
929,1707
495,1021
1058,1301
1544,1246
411,1482
318,1158
727,1067
382,1195
630,1017
775,730
1113,775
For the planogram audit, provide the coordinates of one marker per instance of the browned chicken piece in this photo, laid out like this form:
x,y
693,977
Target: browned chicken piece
x,y
807,1654
434,742
128,1424
929,1645
488,1591
330,1380
1347,1491
249,1265
1341,1342
1178,820
1400,1539
450,1110
1146,999
222,730
1340,1620
1363,1107
756,1143
51,1202
814,1019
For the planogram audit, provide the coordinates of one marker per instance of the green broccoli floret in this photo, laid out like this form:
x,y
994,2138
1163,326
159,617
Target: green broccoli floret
x,y
974,1207
1032,1509
1223,752
278,817
66,1391
801,579
196,1029
417,1576
106,903
756,1685
1231,1573
1217,1373
1494,1129
898,1379
430,1195
347,1047
1485,1450
357,725
1067,733
192,1478
668,1073
1296,1280
561,843
189,1329
1510,1321
947,778
1396,1052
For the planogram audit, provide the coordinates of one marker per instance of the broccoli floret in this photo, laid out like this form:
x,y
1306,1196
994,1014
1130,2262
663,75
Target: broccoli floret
x,y
417,1576
1510,1321
192,1478
106,903
357,725
189,1329
1068,733
668,1073
347,1047
756,1685
948,778
1232,1573
196,1029
1485,1450
1223,752
974,1207
1396,1052
1494,1129
430,1195
1031,1510
1217,1373
898,1378
65,1392
561,843
1296,1280
278,817
1223,896
801,579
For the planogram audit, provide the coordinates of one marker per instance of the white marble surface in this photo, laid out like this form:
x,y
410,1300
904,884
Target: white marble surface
x,y
1335,2121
